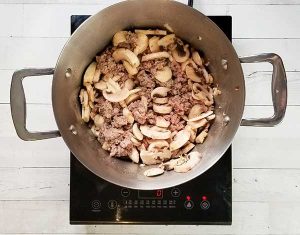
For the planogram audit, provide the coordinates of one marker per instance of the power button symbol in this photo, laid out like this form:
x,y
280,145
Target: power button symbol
x,y
112,204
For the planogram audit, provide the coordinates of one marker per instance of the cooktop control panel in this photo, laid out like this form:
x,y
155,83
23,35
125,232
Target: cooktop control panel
x,y
204,200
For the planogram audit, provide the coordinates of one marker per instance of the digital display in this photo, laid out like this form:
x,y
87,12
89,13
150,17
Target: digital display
x,y
150,194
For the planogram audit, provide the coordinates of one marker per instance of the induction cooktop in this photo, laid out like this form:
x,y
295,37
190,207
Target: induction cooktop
x,y
203,200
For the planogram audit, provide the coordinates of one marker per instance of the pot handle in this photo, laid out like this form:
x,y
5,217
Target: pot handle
x,y
18,104
279,90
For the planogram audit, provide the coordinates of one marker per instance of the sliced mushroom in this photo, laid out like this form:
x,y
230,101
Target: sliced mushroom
x,y
169,165
84,97
208,77
134,155
134,91
118,96
126,54
155,55
152,158
192,133
203,93
188,62
160,92
164,75
181,54
89,73
90,92
142,44
101,85
180,139
106,146
95,131
129,84
97,75
197,59
168,27
151,32
153,172
136,131
162,109
191,74
154,47
195,111
187,148
196,124
155,132
201,116
211,117
201,137
98,120
119,37
161,122
85,113
132,98
112,86
131,70
166,40
194,159
158,145
216,91
135,142
128,115
159,100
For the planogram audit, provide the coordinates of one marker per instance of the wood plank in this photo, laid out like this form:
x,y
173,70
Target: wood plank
x,y
38,89
275,147
51,184
248,218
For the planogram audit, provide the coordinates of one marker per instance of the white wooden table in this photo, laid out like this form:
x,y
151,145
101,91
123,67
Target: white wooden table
x,y
34,176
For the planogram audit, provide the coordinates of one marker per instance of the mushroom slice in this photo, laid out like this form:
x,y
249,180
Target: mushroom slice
x,y
201,137
118,96
119,37
160,92
162,109
211,117
90,92
196,124
136,131
152,158
181,54
97,75
196,58
134,155
168,27
164,75
135,142
187,148
134,91
153,172
188,62
180,139
158,100
155,132
192,133
158,145
85,113
142,44
112,86
89,73
191,74
195,111
154,47
128,115
194,159
155,55
129,84
130,69
166,40
151,32
126,54
169,165
106,146
132,98
95,131
101,85
84,97
216,91
208,77
201,116
98,120
161,122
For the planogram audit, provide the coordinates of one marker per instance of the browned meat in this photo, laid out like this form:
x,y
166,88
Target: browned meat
x,y
122,147
119,121
139,112
151,117
146,79
177,72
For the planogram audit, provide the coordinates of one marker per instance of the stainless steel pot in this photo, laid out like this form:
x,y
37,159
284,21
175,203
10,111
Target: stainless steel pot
x,y
94,35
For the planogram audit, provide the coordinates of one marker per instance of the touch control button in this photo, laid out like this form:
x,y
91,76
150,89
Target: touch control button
x,y
188,205
96,204
125,192
175,192
112,204
205,205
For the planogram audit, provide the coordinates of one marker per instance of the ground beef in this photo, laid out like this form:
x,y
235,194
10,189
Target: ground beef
x,y
153,65
146,79
139,111
104,107
123,147
178,72
176,123
177,104
151,117
119,121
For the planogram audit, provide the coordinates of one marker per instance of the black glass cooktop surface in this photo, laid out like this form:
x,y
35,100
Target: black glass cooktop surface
x,y
203,200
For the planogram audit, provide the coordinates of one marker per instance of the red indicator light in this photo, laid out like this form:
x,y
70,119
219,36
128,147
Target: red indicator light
x,y
188,198
204,198
158,193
